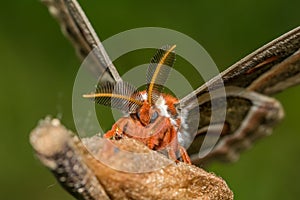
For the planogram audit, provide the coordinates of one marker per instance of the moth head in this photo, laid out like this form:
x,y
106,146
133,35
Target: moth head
x,y
126,98
147,114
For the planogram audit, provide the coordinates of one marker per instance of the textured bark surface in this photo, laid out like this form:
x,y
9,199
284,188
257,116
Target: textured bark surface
x,y
95,168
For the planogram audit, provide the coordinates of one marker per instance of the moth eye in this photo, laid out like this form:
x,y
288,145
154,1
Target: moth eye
x,y
178,109
154,117
138,115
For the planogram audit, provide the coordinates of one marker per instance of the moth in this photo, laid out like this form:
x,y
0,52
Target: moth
x,y
153,118
249,84
250,111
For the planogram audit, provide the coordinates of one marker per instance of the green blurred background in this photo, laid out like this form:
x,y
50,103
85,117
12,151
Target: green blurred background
x,y
39,66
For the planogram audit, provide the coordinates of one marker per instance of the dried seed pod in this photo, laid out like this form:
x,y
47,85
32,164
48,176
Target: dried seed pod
x,y
83,174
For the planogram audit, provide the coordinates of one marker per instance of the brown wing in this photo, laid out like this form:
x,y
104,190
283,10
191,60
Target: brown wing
x,y
268,70
79,30
238,119
282,53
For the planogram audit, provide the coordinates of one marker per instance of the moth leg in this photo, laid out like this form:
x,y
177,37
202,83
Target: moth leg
x,y
172,140
117,130
152,141
114,133
172,155
172,152
184,155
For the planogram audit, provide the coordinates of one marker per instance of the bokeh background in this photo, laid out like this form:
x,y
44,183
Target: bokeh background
x,y
38,67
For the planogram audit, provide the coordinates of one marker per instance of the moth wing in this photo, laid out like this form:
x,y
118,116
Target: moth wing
x,y
237,120
268,70
77,28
